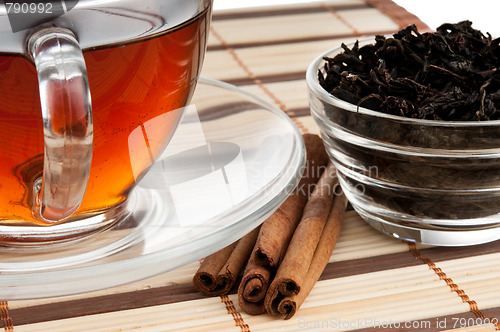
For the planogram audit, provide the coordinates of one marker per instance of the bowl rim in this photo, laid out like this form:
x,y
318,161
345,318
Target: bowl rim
x,y
316,89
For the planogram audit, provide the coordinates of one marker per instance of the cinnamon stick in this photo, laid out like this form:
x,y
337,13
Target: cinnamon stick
x,y
277,230
218,272
310,249
253,287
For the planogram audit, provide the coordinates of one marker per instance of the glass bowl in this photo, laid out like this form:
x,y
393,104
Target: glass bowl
x,y
433,182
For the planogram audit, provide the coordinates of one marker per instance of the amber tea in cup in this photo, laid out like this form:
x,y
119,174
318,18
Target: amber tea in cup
x,y
140,62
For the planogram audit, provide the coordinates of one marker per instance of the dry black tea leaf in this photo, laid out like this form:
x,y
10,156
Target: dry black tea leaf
x,y
451,74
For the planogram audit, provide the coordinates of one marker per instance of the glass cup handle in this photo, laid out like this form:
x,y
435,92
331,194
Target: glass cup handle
x,y
67,123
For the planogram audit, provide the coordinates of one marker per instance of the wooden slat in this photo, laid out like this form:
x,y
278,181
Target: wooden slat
x,y
280,10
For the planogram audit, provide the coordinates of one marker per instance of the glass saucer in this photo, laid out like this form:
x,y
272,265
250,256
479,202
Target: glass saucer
x,y
232,161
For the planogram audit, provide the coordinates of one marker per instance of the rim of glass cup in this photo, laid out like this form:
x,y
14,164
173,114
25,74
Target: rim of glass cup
x,y
320,92
136,20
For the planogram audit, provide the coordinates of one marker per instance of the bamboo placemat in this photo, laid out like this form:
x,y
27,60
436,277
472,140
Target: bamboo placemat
x,y
371,281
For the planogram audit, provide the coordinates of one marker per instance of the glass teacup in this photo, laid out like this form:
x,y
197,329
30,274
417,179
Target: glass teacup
x,y
91,94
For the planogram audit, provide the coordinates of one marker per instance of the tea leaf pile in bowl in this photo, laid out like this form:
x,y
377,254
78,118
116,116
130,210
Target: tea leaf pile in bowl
x,y
447,75
412,124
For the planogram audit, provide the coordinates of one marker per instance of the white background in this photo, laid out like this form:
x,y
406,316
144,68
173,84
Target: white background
x,y
483,13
